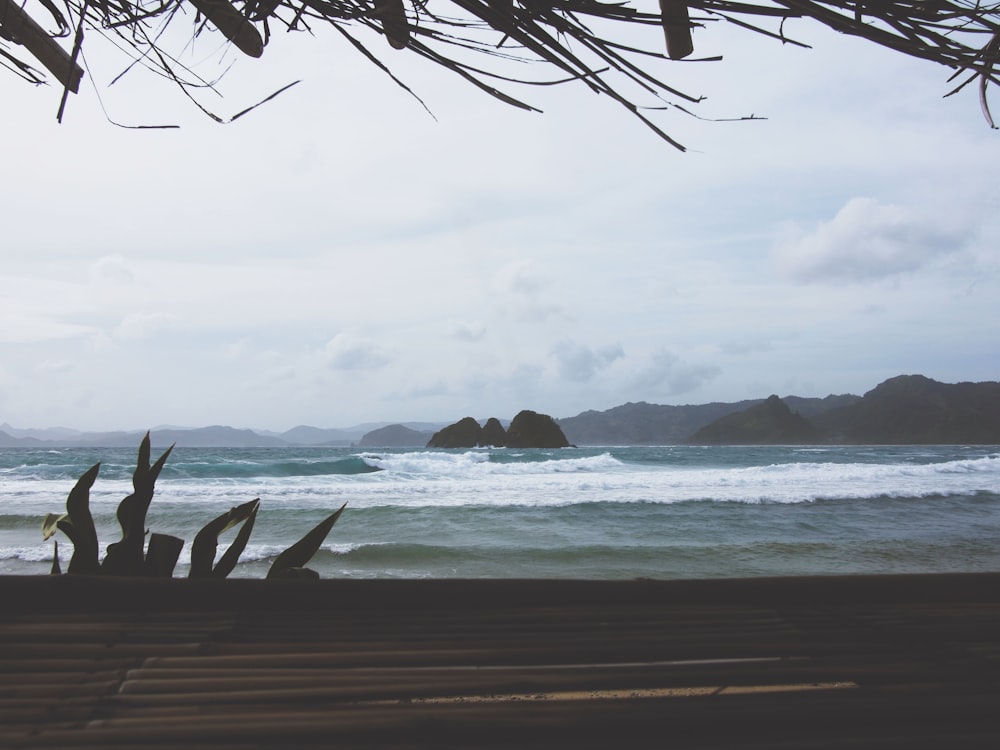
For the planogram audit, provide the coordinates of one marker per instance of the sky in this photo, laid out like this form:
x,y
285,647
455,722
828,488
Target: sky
x,y
339,256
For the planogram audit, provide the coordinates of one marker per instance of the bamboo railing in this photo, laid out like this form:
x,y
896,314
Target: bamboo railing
x,y
868,661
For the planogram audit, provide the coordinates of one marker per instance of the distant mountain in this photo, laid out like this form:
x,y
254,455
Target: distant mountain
x,y
199,437
9,441
913,409
769,423
48,433
810,407
644,424
211,437
394,436
654,424
305,435
905,410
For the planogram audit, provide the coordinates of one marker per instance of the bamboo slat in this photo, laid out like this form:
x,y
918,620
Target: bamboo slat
x,y
880,662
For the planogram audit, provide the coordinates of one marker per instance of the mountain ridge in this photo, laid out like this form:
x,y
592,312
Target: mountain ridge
x,y
904,409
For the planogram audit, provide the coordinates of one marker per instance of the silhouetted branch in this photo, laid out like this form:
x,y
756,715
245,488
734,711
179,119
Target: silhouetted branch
x,y
587,42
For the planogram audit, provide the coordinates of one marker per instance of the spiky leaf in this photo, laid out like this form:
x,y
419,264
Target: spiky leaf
x,y
232,555
206,542
303,550
78,525
126,558
56,568
142,463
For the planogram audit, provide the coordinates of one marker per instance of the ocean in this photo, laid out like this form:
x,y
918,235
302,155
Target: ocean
x,y
597,513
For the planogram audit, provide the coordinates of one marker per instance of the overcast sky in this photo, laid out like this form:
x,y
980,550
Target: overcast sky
x,y
339,256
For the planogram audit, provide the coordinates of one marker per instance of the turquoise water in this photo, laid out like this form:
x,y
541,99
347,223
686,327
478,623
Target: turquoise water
x,y
658,512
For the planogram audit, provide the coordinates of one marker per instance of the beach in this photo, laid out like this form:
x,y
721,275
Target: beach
x,y
830,661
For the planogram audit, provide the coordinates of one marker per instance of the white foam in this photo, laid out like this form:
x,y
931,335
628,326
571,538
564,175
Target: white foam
x,y
478,463
474,478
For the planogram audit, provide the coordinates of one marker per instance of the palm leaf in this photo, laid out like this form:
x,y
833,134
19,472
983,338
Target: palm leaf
x,y
206,542
78,525
50,524
56,568
286,565
394,23
126,557
234,25
676,28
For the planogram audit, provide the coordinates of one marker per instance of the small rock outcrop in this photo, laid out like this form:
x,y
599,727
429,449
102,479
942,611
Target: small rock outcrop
x,y
530,429
465,433
527,430
494,435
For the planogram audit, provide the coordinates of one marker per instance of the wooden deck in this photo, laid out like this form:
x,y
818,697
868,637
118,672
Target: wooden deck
x,y
860,662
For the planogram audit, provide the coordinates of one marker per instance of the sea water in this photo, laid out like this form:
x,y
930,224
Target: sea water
x,y
613,512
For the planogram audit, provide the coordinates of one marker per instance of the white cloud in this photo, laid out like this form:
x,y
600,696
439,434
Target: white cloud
x,y
143,325
867,240
578,362
468,330
19,329
112,269
347,352
667,375
523,277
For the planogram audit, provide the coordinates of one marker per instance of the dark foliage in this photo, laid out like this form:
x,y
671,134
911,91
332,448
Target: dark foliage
x,y
486,43
133,557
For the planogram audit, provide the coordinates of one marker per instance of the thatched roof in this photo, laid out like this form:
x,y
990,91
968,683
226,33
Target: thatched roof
x,y
488,42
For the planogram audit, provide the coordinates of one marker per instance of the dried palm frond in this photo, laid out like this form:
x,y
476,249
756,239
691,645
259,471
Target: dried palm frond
x,y
587,42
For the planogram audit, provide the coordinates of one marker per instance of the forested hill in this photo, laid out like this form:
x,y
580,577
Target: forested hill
x,y
915,409
909,409
656,424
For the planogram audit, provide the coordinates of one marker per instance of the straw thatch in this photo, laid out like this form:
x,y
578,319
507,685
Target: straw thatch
x,y
488,42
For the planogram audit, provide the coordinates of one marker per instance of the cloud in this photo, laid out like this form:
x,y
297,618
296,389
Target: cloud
x,y
23,329
526,284
58,366
668,375
867,240
427,390
580,363
468,330
113,270
523,276
346,352
143,325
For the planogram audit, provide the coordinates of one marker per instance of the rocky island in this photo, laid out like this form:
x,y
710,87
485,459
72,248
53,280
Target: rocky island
x,y
528,429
